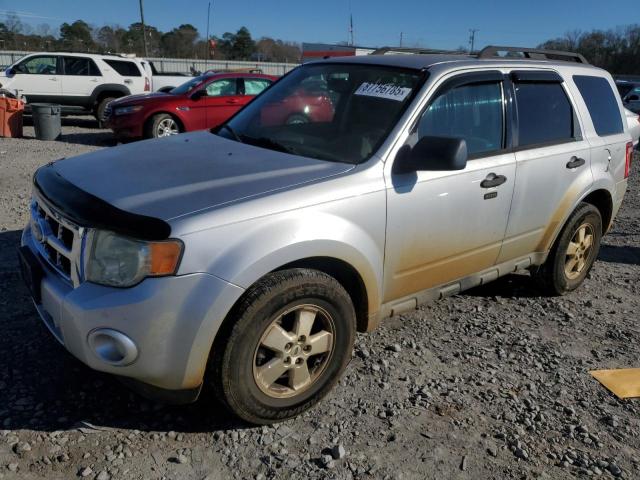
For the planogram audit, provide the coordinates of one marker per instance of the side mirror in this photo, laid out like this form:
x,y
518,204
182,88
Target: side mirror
x,y
633,98
11,71
198,94
433,154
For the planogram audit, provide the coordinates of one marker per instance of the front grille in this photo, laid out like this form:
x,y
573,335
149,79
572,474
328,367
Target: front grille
x,y
107,112
57,240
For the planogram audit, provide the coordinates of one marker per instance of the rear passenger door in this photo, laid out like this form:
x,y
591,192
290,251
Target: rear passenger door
x,y
446,225
552,162
80,77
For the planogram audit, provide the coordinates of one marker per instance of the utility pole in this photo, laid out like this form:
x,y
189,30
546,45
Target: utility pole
x,y
144,32
207,42
401,39
472,38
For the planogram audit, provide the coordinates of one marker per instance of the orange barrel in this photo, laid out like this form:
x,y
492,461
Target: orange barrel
x,y
11,111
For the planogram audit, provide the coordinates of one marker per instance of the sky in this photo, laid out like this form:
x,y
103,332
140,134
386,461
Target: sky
x,y
377,23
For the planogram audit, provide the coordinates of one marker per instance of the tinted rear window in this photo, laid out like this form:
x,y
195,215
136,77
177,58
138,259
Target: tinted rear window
x,y
124,68
601,103
544,113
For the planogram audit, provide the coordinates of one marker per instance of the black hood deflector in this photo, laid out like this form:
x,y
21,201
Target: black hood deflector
x,y
87,210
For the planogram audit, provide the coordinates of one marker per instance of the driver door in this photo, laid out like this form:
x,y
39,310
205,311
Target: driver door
x,y
39,78
445,225
222,101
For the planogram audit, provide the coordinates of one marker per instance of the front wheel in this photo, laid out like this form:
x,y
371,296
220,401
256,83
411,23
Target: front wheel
x,y
161,125
574,252
284,347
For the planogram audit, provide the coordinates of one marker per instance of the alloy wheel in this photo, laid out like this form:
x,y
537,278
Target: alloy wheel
x,y
294,351
579,251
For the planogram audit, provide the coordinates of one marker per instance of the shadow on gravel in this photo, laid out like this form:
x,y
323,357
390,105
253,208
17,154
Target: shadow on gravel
x,y
515,285
620,254
43,387
98,137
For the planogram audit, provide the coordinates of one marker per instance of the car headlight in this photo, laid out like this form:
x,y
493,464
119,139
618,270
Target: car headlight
x,y
127,110
119,261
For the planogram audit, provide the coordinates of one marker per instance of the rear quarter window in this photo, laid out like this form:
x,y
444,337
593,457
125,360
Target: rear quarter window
x,y
124,68
601,103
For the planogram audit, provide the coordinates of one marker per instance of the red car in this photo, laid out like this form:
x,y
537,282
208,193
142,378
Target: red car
x,y
203,102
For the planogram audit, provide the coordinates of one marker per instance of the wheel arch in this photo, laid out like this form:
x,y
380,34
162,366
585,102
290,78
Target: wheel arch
x,y
108,90
603,201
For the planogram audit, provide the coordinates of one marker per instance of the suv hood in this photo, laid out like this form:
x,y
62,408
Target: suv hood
x,y
175,176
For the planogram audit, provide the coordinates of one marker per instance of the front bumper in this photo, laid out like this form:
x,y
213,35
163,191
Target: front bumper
x,y
126,126
171,320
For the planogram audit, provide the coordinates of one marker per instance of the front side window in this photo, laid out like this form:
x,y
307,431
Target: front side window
x,y
601,103
254,86
473,112
330,111
545,115
44,65
221,88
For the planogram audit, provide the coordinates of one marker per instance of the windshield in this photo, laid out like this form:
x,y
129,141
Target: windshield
x,y
337,112
186,87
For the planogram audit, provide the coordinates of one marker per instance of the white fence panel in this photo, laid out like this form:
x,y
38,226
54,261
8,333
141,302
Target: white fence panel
x,y
186,65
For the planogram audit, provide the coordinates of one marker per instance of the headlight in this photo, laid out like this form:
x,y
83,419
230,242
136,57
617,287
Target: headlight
x,y
127,110
120,261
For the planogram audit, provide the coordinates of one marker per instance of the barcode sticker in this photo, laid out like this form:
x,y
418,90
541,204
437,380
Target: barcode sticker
x,y
383,90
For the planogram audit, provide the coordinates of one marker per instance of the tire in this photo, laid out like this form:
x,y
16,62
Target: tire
x,y
297,119
283,301
566,267
100,110
161,122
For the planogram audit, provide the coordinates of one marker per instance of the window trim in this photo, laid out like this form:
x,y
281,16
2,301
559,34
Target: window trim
x,y
542,79
471,78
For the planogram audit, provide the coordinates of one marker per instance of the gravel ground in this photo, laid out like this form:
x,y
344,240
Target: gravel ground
x,y
492,383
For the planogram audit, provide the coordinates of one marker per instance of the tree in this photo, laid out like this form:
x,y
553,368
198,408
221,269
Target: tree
x,y
76,36
180,42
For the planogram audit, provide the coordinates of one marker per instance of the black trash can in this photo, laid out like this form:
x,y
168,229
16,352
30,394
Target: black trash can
x,y
46,120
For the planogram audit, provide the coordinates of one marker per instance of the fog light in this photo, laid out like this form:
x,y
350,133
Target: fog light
x,y
113,347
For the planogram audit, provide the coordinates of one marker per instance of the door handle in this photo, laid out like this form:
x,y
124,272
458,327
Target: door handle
x,y
232,102
53,79
493,180
575,162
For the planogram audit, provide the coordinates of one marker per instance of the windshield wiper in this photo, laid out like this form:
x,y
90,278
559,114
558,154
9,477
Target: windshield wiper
x,y
233,132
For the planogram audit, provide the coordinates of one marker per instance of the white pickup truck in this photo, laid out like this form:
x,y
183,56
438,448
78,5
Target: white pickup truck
x,y
163,82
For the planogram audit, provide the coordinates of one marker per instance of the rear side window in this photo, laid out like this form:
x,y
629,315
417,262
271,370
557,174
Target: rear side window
x,y
473,112
545,115
124,68
80,66
601,103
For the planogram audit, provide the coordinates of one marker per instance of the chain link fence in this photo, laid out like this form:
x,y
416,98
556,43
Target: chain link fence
x,y
185,65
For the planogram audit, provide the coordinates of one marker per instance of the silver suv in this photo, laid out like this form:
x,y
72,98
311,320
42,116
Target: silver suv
x,y
256,251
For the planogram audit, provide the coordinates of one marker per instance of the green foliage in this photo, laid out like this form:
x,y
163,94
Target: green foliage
x,y
615,50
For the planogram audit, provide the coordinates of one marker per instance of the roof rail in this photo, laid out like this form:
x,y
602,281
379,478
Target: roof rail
x,y
493,51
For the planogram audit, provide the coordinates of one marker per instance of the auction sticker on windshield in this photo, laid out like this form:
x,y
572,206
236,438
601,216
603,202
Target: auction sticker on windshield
x,y
383,90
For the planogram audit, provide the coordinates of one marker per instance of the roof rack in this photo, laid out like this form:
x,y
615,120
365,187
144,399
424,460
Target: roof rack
x,y
410,50
493,51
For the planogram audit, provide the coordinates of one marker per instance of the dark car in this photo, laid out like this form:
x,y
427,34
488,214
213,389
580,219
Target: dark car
x,y
200,103
630,93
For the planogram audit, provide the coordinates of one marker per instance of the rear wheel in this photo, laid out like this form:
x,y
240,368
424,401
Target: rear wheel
x,y
99,113
161,125
285,347
574,252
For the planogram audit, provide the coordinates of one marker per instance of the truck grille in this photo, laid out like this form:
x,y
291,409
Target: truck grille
x,y
57,240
